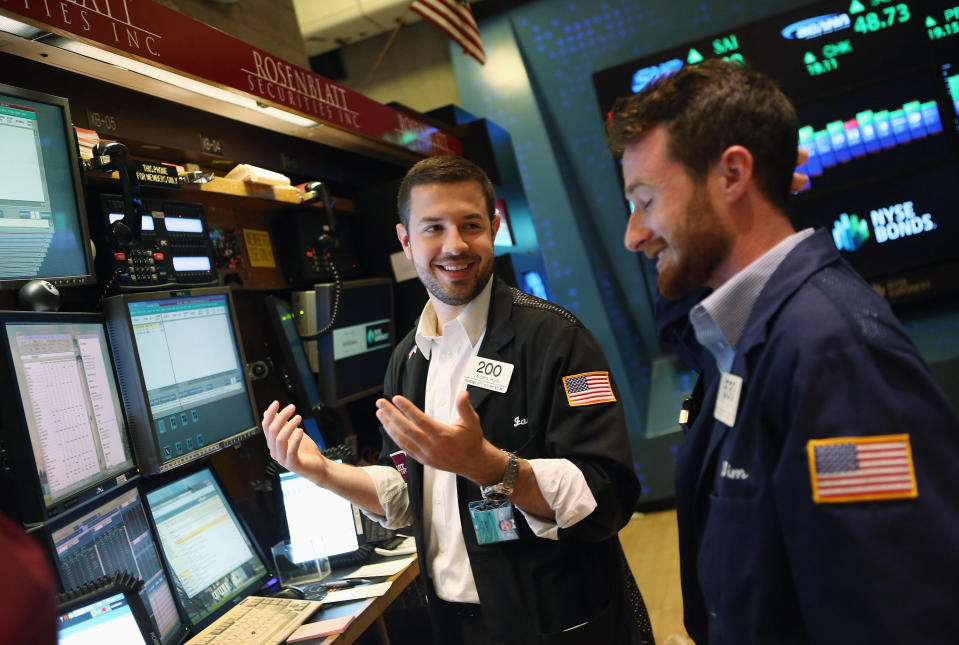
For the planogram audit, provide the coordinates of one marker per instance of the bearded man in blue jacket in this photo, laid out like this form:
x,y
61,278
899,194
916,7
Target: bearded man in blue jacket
x,y
817,486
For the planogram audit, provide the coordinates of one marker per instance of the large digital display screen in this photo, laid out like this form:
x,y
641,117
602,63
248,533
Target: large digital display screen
x,y
876,86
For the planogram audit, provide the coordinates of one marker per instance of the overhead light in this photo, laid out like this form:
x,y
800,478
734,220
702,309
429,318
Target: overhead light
x,y
18,28
289,117
184,82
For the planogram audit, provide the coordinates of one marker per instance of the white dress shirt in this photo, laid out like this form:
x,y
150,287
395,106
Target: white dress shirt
x,y
562,484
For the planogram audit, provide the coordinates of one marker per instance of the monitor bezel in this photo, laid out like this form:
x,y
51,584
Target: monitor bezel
x,y
136,403
19,452
78,192
266,582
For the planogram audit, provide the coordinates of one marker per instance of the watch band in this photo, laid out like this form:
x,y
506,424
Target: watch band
x,y
504,489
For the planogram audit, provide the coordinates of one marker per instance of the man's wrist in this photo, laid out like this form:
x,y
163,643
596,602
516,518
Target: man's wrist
x,y
503,489
491,466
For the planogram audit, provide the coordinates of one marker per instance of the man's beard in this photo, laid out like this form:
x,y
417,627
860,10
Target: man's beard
x,y
697,248
464,293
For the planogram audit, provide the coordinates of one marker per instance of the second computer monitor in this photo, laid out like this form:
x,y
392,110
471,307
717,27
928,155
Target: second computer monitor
x,y
212,558
182,374
63,434
115,536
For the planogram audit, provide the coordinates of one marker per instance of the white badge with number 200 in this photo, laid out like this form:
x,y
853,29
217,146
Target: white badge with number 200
x,y
727,399
488,374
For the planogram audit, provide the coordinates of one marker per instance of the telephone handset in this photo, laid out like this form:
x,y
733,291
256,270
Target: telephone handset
x,y
153,243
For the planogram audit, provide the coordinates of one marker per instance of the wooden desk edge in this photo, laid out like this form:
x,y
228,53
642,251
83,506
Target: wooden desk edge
x,y
373,608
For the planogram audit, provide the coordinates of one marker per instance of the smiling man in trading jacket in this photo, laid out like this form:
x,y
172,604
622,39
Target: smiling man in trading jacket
x,y
501,411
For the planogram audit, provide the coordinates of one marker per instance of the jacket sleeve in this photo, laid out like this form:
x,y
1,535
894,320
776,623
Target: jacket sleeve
x,y
593,436
887,566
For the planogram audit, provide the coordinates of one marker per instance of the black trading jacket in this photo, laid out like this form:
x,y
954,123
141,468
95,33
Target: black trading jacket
x,y
533,588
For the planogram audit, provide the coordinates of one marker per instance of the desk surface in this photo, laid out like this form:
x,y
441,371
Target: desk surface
x,y
369,610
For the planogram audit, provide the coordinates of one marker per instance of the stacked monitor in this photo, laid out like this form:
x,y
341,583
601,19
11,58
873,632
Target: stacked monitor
x,y
211,557
43,225
876,86
64,435
156,382
182,372
115,536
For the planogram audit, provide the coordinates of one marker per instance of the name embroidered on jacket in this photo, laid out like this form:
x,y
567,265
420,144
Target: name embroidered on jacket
x,y
517,422
728,472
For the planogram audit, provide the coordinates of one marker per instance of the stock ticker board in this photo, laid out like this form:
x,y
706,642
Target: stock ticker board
x,y
876,86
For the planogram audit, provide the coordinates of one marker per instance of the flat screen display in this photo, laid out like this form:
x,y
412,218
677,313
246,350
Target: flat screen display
x,y
185,387
43,232
69,418
208,550
116,536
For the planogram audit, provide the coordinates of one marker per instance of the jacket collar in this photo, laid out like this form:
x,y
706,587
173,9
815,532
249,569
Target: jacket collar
x,y
499,332
809,256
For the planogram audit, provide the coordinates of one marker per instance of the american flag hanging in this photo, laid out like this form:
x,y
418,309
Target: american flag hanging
x,y
456,19
588,388
857,469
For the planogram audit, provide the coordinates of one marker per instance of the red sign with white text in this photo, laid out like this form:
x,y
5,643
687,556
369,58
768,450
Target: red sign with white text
x,y
165,37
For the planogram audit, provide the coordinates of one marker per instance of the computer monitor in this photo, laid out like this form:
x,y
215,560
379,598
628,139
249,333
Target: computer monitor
x,y
290,361
314,512
106,620
63,432
182,374
214,562
116,536
43,224
350,360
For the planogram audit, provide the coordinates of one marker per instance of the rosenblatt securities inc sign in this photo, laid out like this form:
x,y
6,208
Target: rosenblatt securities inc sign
x,y
165,37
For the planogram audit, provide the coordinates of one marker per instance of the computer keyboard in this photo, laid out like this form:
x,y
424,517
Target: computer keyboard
x,y
257,621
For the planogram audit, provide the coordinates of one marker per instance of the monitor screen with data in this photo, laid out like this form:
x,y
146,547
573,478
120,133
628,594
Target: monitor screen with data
x,y
67,436
116,536
43,227
212,558
183,374
876,88
109,620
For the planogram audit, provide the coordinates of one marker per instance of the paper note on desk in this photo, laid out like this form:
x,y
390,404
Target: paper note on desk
x,y
321,628
359,592
387,568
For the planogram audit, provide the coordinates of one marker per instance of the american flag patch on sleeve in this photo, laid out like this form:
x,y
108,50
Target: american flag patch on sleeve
x,y
588,388
859,469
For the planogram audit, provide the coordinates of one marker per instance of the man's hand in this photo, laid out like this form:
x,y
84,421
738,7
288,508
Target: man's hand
x,y
289,445
458,448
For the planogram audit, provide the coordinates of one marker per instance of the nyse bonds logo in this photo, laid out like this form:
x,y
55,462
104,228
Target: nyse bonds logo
x,y
899,221
817,26
849,232
889,223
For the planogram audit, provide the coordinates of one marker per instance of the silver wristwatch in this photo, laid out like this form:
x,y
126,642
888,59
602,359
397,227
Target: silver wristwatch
x,y
502,491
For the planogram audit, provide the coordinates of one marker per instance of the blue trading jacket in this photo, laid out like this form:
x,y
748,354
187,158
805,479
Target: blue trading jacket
x,y
822,356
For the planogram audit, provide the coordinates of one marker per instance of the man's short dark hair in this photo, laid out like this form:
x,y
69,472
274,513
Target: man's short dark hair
x,y
445,169
708,107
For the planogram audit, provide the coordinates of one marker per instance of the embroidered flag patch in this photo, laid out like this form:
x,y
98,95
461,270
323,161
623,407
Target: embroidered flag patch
x,y
859,469
588,388
412,351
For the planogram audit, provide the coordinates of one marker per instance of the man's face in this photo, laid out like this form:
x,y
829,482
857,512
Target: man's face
x,y
450,240
673,220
